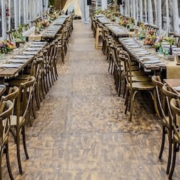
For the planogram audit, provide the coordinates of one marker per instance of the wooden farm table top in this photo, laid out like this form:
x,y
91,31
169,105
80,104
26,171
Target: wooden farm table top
x,y
173,83
135,50
48,33
26,56
51,32
117,30
103,20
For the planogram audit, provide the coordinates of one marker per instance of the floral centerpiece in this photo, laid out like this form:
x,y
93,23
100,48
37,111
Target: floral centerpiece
x,y
124,22
6,46
43,24
150,38
158,42
170,40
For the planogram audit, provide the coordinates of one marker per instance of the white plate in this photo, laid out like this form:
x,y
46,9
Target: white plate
x,y
10,65
29,52
33,49
18,61
22,57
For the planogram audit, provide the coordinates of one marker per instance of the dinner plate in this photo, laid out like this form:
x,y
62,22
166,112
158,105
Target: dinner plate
x,y
10,65
30,52
33,49
152,62
18,61
38,43
22,57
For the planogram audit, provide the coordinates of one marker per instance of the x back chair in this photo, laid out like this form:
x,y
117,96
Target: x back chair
x,y
134,87
6,109
164,96
175,106
18,119
136,74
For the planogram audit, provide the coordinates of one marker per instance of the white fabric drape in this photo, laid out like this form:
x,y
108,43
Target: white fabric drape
x,y
77,9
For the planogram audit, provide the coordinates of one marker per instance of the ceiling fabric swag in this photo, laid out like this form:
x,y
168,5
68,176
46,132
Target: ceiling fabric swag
x,y
77,10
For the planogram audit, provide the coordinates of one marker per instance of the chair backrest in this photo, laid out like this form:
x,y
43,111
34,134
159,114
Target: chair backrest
x,y
25,96
6,109
167,92
12,94
175,106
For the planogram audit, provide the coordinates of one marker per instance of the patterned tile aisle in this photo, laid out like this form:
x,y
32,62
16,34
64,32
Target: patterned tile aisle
x,y
81,132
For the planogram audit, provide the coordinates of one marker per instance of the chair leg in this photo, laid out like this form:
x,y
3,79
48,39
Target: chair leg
x,y
24,142
170,154
163,142
125,89
173,160
1,166
132,104
18,151
33,110
37,98
8,162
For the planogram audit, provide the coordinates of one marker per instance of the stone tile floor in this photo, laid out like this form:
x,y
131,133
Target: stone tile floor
x,y
81,132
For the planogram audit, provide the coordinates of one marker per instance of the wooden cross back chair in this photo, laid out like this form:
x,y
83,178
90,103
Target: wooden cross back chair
x,y
164,95
175,106
6,109
19,117
134,86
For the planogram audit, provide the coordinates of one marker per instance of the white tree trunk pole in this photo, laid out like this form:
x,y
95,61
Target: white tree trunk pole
x,y
128,8
175,16
155,3
3,19
134,9
104,4
167,15
121,10
150,12
159,14
137,9
145,4
141,10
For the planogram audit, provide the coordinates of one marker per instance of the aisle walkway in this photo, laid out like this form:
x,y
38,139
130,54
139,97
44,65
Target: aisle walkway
x,y
81,132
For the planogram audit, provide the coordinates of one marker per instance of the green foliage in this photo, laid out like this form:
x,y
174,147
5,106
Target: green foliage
x,y
51,2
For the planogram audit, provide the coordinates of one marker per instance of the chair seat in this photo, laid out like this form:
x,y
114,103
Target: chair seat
x,y
17,82
23,77
138,73
14,120
134,68
141,79
142,86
